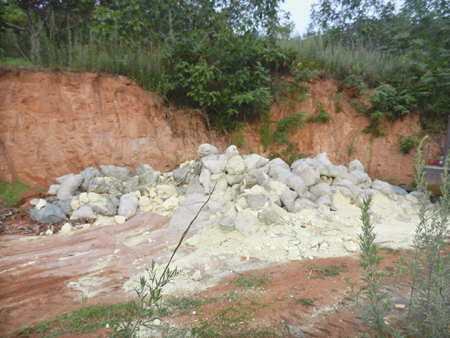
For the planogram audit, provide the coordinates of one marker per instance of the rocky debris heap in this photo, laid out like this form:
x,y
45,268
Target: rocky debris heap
x,y
245,191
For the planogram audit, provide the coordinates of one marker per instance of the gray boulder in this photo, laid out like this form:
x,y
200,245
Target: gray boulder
x,y
88,174
146,174
270,217
107,185
186,213
69,186
49,214
122,174
207,149
84,212
128,205
180,175
247,225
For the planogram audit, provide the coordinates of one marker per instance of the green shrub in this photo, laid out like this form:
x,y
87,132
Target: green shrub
x,y
10,192
407,143
321,115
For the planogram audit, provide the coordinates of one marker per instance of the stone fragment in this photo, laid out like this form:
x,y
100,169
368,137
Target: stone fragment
x,y
235,165
351,246
49,232
231,151
234,179
226,223
170,204
144,201
122,174
83,212
51,213
146,174
108,185
119,219
197,276
257,201
356,165
88,174
34,201
131,185
94,197
193,241
270,217
69,186
180,175
128,205
215,163
67,227
75,204
254,161
276,166
247,225
83,199
40,204
186,212
53,190
399,191
65,206
207,149
63,178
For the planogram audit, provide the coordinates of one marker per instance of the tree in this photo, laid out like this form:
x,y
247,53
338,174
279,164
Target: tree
x,y
57,15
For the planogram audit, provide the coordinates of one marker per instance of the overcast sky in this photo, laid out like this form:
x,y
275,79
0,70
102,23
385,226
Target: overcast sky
x,y
299,10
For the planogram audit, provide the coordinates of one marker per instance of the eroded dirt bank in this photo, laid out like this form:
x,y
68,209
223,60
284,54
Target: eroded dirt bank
x,y
52,124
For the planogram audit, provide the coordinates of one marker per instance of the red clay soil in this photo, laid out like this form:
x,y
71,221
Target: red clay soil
x,y
34,275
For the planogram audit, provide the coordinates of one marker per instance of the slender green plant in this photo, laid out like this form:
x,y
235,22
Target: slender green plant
x,y
148,302
321,115
428,264
379,302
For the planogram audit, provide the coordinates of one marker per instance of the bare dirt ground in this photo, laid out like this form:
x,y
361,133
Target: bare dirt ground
x,y
43,276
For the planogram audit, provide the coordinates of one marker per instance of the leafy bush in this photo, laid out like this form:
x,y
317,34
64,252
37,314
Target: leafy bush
x,y
407,143
321,115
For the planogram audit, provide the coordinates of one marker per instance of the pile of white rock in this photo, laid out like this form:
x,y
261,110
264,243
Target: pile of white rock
x,y
244,192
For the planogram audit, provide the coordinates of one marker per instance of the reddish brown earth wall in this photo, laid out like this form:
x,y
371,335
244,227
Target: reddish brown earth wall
x,y
52,124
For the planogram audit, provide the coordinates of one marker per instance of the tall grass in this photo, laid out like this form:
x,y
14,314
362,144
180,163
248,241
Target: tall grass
x,y
372,67
143,64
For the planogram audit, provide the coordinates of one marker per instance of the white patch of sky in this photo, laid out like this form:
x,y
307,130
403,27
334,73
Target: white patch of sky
x,y
299,10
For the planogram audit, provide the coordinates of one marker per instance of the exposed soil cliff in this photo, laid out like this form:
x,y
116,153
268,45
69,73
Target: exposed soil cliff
x,y
52,124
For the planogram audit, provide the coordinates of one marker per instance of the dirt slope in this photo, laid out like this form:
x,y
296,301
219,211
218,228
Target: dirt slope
x,y
52,124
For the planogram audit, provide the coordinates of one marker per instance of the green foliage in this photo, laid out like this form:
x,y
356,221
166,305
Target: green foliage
x,y
286,125
321,115
428,264
337,98
288,155
81,321
236,320
379,303
253,281
146,306
182,306
266,134
319,271
10,192
424,269
238,137
279,136
351,147
407,143
306,302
